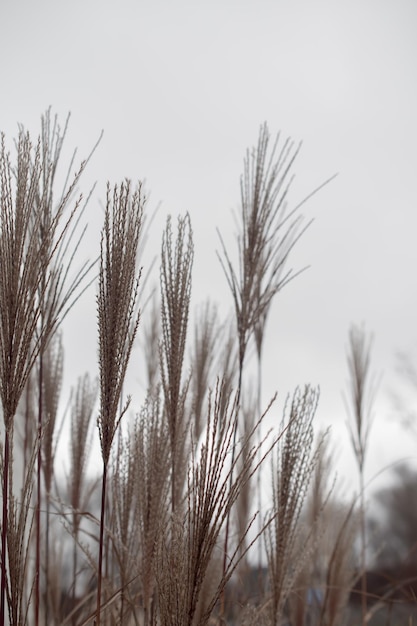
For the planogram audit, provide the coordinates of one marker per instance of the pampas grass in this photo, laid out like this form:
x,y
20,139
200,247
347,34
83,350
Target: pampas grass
x,y
31,290
167,532
118,320
21,277
176,267
267,233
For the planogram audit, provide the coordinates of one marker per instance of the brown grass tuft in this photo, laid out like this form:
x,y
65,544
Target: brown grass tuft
x,y
176,269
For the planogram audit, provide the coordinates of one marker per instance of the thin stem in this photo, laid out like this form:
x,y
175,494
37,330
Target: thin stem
x,y
258,476
39,494
363,546
5,523
74,563
101,544
48,508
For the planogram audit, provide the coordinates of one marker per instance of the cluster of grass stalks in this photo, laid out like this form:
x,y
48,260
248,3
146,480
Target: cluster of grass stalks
x,y
171,532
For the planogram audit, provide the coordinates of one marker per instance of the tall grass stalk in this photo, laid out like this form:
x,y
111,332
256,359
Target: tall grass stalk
x,y
23,331
267,234
176,268
118,322
359,403
58,290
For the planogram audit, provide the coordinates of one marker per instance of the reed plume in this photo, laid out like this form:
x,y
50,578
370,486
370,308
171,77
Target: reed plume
x,y
56,234
359,404
267,234
118,320
292,470
151,467
176,266
22,281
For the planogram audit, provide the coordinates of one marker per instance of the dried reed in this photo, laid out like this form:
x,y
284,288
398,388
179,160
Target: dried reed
x,y
177,476
117,320
55,232
267,234
359,404
176,269
292,470
22,279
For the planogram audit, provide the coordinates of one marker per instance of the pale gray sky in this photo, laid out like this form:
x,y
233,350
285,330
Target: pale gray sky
x,y
180,89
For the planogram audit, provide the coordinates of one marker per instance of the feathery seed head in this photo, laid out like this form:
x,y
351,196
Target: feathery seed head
x,y
118,319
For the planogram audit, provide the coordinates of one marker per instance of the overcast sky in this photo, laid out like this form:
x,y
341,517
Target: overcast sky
x,y
181,88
